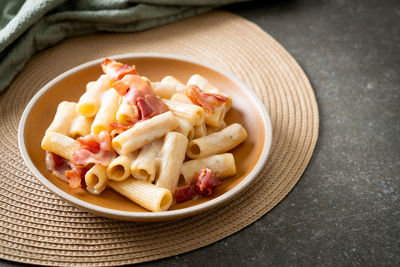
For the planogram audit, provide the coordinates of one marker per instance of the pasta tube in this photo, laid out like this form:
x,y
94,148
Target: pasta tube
x,y
89,103
107,112
223,165
219,127
80,126
205,85
63,118
126,113
200,130
185,128
179,97
194,114
172,156
120,168
180,87
145,167
163,90
143,193
96,179
60,144
218,142
115,132
218,115
144,132
215,118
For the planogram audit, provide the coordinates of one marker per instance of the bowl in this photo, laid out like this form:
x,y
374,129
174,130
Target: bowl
x,y
247,109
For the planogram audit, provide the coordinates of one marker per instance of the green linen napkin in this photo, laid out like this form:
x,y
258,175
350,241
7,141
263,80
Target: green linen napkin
x,y
29,26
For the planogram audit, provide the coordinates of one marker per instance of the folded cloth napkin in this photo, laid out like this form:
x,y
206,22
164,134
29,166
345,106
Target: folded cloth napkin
x,y
29,26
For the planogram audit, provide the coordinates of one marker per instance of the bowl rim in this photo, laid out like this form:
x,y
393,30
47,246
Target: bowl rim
x,y
149,216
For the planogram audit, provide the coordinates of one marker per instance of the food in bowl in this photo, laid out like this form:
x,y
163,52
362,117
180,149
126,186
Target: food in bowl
x,y
156,143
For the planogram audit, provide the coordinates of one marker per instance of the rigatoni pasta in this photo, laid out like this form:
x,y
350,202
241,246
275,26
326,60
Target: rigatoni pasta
x,y
126,113
154,142
193,113
223,165
80,126
89,103
179,86
218,142
106,114
145,166
120,168
145,194
60,144
66,112
96,179
144,132
173,154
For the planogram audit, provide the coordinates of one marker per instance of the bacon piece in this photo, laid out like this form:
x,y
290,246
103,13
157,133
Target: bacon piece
x,y
90,144
121,87
94,149
74,178
206,182
116,70
121,126
65,170
150,106
58,165
185,193
138,87
141,96
206,100
218,97
156,104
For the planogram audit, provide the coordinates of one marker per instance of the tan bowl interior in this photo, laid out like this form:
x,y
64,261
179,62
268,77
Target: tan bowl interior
x,y
70,88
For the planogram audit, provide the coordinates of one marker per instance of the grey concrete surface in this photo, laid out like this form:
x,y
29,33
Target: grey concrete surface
x,y
345,210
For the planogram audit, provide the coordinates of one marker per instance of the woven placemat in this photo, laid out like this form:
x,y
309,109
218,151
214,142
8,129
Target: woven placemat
x,y
38,227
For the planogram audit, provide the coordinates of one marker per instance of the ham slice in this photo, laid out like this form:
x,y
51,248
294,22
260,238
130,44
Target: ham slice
x,y
116,70
206,100
65,170
94,149
58,165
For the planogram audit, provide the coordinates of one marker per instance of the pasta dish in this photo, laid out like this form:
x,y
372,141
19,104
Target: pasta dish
x,y
155,142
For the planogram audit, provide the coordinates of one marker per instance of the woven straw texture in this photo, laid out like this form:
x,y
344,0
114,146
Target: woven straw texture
x,y
38,227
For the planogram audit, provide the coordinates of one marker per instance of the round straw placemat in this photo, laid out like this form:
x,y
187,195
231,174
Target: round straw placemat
x,y
38,227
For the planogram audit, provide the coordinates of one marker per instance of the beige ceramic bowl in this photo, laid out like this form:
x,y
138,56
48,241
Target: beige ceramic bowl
x,y
247,109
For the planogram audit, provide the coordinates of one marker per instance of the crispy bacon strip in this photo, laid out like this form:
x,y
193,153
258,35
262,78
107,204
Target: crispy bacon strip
x,y
206,100
121,126
155,103
140,95
94,149
204,184
121,87
90,144
116,70
185,193
137,87
75,177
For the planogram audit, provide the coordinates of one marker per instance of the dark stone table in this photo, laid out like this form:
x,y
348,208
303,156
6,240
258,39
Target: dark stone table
x,y
345,210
